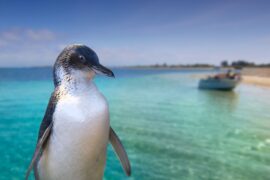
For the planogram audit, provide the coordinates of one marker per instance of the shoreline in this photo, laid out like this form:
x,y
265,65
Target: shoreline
x,y
256,80
256,76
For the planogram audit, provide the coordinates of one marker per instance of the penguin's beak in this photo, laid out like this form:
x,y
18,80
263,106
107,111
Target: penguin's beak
x,y
99,69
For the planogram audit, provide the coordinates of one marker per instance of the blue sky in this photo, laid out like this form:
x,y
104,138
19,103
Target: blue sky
x,y
123,33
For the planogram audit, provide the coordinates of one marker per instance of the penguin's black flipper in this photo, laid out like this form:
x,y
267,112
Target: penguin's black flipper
x,y
38,151
120,151
44,133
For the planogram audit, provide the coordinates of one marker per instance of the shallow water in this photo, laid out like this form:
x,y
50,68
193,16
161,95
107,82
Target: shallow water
x,y
171,130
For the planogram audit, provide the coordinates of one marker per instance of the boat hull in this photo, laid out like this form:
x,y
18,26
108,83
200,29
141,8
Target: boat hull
x,y
218,84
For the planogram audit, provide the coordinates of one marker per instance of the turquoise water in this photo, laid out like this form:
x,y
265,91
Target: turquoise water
x,y
171,130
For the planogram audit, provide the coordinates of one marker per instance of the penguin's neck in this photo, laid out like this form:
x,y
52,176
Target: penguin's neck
x,y
75,82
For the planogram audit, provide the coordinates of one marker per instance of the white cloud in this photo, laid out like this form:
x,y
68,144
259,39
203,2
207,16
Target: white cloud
x,y
28,47
21,35
40,47
10,35
40,35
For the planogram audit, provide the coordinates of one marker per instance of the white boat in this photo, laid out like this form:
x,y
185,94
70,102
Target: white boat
x,y
225,84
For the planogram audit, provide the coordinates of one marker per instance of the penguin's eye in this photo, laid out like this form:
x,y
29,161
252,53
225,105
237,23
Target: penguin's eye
x,y
82,58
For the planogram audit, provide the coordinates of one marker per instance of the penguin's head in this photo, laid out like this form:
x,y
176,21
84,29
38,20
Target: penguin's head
x,y
80,60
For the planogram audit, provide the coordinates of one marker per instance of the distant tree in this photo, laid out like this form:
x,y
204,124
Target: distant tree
x,y
242,63
156,65
224,63
264,65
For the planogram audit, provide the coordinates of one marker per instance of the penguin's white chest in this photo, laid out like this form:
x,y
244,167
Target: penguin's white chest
x,y
77,145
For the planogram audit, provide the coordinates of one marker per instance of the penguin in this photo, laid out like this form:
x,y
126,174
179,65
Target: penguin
x,y
75,131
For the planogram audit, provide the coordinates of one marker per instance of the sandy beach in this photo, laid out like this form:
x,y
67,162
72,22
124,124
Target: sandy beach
x,y
256,76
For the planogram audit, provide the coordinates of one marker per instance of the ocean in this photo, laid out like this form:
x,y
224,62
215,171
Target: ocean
x,y
170,128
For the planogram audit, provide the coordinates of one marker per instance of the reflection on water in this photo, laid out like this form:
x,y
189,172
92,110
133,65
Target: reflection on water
x,y
224,100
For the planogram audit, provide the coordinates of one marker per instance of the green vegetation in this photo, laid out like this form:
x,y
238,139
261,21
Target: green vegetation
x,y
242,64
225,63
